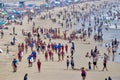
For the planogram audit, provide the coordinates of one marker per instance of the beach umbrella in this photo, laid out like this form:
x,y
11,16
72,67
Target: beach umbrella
x,y
10,17
46,5
2,22
34,53
1,51
32,11
59,46
17,13
30,5
7,5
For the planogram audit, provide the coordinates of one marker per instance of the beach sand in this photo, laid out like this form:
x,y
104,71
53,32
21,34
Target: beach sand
x,y
52,70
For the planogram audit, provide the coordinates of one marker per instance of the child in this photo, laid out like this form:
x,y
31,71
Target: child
x,y
89,65
83,73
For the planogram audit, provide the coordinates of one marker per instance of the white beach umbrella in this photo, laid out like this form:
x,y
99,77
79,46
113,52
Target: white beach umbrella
x,y
1,51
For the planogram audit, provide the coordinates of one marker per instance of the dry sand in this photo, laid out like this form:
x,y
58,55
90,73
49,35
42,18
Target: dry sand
x,y
52,70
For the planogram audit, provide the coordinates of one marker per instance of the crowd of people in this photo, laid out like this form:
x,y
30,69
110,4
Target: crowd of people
x,y
35,40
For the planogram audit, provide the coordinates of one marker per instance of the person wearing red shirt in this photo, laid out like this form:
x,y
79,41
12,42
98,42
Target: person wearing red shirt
x,y
20,54
39,65
66,48
50,55
22,46
62,54
62,47
46,56
26,48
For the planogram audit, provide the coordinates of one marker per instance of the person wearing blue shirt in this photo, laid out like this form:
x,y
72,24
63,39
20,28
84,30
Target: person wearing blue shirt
x,y
34,55
14,64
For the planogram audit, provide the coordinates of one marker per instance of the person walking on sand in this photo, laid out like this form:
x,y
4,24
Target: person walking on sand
x,y
39,65
66,48
2,34
83,73
67,62
26,48
26,77
7,51
30,60
105,63
14,64
94,63
109,78
13,30
72,63
46,55
89,65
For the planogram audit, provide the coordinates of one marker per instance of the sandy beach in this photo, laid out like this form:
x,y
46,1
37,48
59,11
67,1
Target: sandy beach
x,y
54,70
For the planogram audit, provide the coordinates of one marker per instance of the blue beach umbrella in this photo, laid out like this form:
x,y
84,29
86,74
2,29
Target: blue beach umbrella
x,y
30,5
2,22
7,5
59,46
34,53
46,5
17,13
